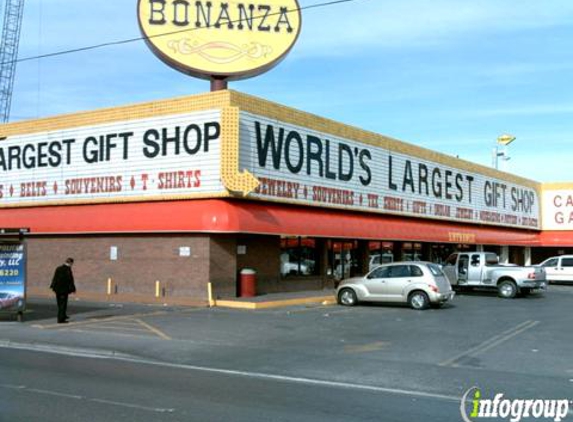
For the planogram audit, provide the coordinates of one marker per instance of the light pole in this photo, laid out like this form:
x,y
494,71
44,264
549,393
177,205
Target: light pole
x,y
500,149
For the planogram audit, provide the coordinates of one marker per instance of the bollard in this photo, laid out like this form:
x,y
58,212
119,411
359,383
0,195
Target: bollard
x,y
210,294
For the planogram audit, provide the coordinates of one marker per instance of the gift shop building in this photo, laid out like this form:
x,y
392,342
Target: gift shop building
x,y
170,200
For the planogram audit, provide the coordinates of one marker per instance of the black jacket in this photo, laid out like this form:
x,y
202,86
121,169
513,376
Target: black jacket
x,y
63,281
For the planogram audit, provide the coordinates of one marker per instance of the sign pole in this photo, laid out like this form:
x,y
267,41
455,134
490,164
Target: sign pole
x,y
218,84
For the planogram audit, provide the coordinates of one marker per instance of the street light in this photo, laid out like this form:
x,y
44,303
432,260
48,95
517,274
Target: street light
x,y
502,141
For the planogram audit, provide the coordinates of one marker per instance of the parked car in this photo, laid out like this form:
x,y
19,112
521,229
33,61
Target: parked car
x,y
482,269
558,269
416,283
7,300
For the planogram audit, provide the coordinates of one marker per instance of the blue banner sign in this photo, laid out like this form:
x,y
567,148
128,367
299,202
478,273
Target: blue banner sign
x,y
12,276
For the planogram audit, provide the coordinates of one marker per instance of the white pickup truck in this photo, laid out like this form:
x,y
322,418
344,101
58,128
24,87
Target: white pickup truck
x,y
482,269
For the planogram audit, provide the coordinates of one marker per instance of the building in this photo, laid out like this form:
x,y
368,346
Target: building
x,y
159,199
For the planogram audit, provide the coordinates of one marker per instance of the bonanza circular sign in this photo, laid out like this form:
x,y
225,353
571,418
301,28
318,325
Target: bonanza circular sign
x,y
235,40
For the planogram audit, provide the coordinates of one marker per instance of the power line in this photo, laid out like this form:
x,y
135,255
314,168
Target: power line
x,y
143,38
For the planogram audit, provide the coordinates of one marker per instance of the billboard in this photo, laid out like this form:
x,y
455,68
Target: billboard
x,y
298,165
12,276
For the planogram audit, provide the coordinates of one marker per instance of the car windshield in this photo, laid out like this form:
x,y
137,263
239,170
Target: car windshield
x,y
435,269
552,262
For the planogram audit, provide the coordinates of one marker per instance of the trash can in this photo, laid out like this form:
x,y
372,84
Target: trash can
x,y
247,282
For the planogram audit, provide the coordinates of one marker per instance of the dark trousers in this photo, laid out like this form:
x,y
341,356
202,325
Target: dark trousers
x,y
62,307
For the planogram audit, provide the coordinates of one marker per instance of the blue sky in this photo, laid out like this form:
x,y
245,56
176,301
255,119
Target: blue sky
x,y
447,75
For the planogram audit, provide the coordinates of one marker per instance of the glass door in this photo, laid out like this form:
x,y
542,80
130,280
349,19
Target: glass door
x,y
343,259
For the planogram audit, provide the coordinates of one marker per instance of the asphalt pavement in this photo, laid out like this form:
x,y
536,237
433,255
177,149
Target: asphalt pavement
x,y
521,347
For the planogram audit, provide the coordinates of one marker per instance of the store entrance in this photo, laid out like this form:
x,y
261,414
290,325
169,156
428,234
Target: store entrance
x,y
343,259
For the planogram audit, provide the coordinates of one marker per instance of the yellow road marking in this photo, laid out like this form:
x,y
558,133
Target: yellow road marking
x,y
153,329
96,320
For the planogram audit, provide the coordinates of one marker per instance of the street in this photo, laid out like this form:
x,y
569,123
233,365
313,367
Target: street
x,y
49,387
370,362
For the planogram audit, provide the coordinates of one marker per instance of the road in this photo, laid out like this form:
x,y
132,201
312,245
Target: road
x,y
370,362
38,386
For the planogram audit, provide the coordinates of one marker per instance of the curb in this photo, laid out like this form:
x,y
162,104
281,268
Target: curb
x,y
253,305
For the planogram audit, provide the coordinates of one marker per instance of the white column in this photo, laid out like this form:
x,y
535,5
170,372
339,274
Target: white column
x,y
504,255
479,248
527,255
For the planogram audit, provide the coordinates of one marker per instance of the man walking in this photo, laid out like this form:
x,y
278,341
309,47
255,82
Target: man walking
x,y
63,285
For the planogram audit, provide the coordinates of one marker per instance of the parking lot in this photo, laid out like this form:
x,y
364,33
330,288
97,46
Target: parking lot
x,y
522,347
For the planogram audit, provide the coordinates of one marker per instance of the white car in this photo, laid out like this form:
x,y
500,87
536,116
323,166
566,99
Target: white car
x,y
8,299
558,269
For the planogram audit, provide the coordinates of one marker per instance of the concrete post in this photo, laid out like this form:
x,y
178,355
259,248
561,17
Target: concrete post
x,y
504,255
527,255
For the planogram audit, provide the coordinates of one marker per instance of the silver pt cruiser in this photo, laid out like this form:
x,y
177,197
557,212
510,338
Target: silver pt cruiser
x,y
420,284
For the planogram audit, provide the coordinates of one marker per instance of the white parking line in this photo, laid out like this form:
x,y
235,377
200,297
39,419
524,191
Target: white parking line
x,y
489,343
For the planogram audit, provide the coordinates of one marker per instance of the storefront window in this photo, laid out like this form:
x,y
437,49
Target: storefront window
x,y
299,257
380,253
411,251
441,252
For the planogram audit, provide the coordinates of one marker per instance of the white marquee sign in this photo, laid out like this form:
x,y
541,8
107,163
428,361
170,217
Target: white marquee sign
x,y
168,156
298,165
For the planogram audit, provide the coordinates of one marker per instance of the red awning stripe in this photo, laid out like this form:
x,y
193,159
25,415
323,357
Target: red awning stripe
x,y
556,238
237,216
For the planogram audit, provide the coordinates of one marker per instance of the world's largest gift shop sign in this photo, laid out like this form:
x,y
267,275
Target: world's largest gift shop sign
x,y
230,144
299,165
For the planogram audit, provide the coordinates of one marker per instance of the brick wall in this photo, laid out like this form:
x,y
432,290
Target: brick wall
x,y
223,265
141,260
262,255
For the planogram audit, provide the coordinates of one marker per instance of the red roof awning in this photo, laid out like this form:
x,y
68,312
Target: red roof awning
x,y
556,238
238,216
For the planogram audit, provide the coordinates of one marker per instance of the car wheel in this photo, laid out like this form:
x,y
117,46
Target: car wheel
x,y
347,297
419,300
507,289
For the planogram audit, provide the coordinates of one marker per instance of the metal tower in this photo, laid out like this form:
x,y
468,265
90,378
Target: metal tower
x,y
9,54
